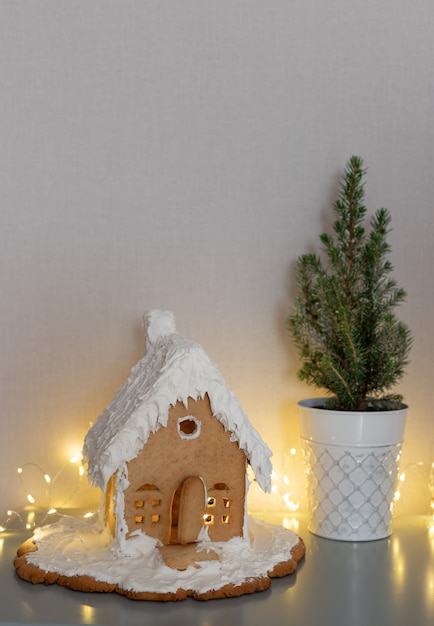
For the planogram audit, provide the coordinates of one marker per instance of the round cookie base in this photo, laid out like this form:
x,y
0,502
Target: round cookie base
x,y
32,569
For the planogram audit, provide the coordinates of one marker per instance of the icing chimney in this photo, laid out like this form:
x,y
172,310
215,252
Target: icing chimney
x,y
158,324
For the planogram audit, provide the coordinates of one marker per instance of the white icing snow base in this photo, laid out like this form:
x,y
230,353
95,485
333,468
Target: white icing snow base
x,y
78,546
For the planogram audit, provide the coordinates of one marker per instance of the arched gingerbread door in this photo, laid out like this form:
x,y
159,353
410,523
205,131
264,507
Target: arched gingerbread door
x,y
192,503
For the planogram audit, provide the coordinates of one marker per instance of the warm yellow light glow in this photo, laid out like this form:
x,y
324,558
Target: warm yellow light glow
x,y
429,589
293,451
431,535
397,496
402,477
274,478
399,571
87,614
33,477
291,523
290,504
398,562
89,514
396,547
2,529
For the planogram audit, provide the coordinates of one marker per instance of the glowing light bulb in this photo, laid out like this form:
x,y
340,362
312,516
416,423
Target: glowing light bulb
x,y
30,498
2,529
291,524
73,459
81,470
290,504
47,478
19,470
51,511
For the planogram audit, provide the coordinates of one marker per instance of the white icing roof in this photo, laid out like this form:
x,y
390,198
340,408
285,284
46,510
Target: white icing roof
x,y
173,368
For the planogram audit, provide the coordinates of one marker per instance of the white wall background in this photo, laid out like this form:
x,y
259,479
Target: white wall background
x,y
181,155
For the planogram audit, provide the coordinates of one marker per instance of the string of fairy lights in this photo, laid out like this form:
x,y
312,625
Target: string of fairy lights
x,y
36,513
429,469
284,490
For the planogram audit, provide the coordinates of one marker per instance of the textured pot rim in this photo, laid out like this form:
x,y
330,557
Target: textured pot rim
x,y
350,428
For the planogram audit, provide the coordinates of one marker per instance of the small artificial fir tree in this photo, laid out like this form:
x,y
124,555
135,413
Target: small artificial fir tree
x,y
343,323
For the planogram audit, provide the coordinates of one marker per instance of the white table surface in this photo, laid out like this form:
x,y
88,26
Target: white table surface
x,y
382,583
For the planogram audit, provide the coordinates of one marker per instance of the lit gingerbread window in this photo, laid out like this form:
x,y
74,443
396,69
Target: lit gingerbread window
x,y
211,502
189,427
148,487
221,487
208,519
226,503
226,519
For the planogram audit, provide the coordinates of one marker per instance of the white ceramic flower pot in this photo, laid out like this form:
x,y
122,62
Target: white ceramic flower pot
x,y
351,461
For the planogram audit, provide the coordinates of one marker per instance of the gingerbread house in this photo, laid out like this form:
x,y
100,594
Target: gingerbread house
x,y
171,450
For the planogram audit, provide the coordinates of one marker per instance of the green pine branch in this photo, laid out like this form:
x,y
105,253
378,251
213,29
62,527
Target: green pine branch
x,y
343,322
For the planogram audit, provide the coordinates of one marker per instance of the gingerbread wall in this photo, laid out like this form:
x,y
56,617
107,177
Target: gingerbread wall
x,y
160,498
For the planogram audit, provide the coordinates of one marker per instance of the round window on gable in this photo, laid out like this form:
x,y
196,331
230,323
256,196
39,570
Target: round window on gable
x,y
189,427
